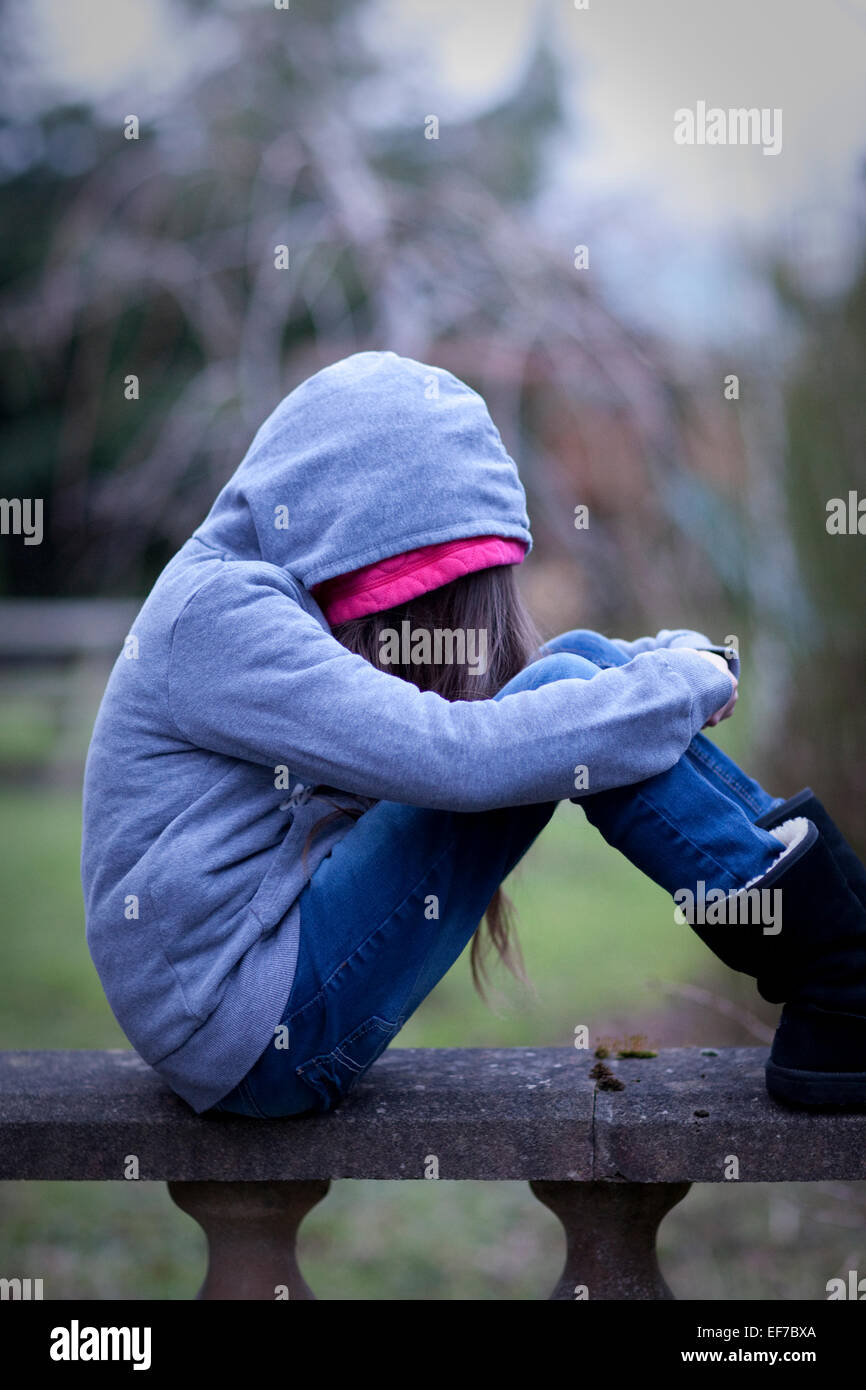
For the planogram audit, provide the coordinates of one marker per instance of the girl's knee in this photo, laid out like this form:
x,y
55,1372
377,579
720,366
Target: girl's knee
x,y
558,666
592,646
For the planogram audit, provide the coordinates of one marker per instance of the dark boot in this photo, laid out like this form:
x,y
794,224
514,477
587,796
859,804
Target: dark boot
x,y
750,928
816,965
818,1057
806,803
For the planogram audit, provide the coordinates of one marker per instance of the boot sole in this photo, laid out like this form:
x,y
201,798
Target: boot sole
x,y
817,1090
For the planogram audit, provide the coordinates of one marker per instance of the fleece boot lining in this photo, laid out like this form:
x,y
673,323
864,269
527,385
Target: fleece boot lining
x,y
791,834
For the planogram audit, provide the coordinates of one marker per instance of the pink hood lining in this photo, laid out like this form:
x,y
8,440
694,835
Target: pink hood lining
x,y
402,577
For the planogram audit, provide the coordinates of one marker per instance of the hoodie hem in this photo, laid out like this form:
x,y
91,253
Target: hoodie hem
x,y
227,1045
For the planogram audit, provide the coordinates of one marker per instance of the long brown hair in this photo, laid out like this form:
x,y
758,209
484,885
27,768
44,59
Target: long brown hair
x,y
488,602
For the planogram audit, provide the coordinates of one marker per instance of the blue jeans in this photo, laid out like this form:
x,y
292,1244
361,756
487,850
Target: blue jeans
x,y
390,910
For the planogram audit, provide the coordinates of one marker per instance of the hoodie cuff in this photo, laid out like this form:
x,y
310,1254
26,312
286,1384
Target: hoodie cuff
x,y
684,639
710,688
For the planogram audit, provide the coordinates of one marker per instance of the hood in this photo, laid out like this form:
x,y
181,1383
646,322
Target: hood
x,y
372,456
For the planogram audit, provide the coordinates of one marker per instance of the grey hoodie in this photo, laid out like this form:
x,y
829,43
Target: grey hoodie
x,y
233,719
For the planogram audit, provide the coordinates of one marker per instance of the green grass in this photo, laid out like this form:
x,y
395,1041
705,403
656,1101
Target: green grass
x,y
597,939
51,993
26,733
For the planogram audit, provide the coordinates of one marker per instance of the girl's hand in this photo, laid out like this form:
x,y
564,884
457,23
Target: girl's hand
x,y
726,710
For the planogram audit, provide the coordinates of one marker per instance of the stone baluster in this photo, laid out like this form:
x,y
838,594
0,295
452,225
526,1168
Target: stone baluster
x,y
251,1230
610,1232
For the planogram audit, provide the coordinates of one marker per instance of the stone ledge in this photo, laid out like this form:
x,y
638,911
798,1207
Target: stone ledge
x,y
683,1113
486,1114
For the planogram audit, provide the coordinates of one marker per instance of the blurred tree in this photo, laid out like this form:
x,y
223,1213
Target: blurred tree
x,y
824,738
155,258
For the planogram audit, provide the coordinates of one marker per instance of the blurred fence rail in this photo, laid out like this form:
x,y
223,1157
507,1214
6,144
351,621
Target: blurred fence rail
x,y
55,657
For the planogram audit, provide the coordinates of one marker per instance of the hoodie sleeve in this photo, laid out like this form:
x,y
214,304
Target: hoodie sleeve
x,y
672,640
254,676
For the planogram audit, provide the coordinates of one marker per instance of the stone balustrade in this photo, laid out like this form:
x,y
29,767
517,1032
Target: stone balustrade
x,y
608,1153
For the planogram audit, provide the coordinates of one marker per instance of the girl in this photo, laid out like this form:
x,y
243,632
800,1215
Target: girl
x,y
332,734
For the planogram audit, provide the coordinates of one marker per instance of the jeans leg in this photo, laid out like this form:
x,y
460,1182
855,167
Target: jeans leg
x,y
724,774
715,766
680,830
694,822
